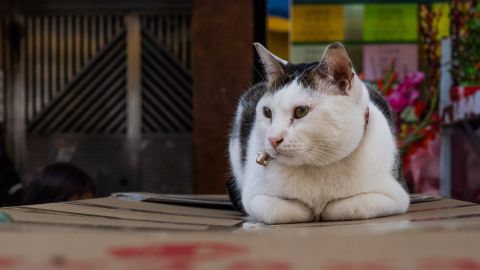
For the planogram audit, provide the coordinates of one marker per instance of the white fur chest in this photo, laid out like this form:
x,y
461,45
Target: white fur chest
x,y
313,186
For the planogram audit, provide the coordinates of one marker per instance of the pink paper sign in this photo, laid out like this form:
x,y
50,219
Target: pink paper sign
x,y
377,60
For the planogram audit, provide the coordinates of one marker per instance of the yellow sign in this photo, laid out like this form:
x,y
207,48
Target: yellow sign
x,y
442,19
317,23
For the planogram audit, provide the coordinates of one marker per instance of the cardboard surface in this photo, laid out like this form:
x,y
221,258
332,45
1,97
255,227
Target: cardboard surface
x,y
275,250
24,216
160,208
207,201
112,233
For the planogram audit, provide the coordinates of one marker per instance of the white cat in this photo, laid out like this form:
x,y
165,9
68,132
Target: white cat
x,y
331,142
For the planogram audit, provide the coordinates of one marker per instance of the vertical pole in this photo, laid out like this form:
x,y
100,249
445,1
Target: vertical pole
x,y
446,131
222,64
134,97
16,125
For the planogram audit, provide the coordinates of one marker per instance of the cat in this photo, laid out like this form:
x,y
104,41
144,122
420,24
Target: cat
x,y
331,141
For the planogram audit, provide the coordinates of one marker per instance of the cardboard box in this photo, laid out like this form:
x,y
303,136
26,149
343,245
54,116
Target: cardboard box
x,y
113,233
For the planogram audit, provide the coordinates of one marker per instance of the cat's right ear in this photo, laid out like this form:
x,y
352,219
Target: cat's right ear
x,y
274,66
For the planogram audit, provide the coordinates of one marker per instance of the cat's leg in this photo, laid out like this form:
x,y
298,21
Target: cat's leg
x,y
367,205
274,210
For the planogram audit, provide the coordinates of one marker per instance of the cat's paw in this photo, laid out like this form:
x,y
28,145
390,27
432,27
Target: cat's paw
x,y
273,210
363,206
339,210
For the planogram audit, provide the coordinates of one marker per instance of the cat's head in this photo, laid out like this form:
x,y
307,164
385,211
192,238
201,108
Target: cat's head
x,y
312,114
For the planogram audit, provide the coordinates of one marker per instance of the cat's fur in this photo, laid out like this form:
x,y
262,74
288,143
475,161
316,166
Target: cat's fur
x,y
338,162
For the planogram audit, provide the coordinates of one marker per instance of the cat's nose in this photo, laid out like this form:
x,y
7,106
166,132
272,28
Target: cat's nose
x,y
275,141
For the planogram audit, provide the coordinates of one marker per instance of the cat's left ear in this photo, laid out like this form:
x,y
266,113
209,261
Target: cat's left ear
x,y
339,66
274,66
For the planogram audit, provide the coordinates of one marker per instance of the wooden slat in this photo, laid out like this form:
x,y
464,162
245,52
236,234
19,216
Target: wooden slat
x,y
98,101
93,36
159,106
168,34
155,25
49,119
7,63
150,23
109,28
118,111
165,55
161,29
84,88
175,33
149,125
169,126
17,101
184,30
2,40
118,118
6,76
38,64
166,87
70,52
86,98
46,61
118,24
101,30
57,47
102,107
115,110
54,55
31,69
96,32
180,77
166,104
62,44
78,42
86,40
3,81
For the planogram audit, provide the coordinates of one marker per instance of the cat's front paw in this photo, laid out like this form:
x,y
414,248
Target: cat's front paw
x,y
273,210
339,210
363,206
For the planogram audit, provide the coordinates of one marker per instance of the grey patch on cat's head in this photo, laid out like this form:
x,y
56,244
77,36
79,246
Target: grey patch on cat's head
x,y
333,69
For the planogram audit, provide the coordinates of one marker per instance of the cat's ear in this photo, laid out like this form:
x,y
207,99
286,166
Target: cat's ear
x,y
338,65
274,66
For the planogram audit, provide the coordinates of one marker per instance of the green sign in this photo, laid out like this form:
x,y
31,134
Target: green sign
x,y
390,22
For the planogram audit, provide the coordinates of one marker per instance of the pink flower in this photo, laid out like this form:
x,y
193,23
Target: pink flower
x,y
406,92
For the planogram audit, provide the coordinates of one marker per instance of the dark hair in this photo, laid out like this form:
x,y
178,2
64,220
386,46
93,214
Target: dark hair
x,y
58,182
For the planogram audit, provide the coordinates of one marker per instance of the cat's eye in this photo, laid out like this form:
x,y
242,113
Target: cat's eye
x,y
267,112
300,112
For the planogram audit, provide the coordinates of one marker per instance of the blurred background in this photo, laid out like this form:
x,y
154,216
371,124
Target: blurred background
x,y
140,94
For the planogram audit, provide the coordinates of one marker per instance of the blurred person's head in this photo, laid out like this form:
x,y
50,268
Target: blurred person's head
x,y
59,182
